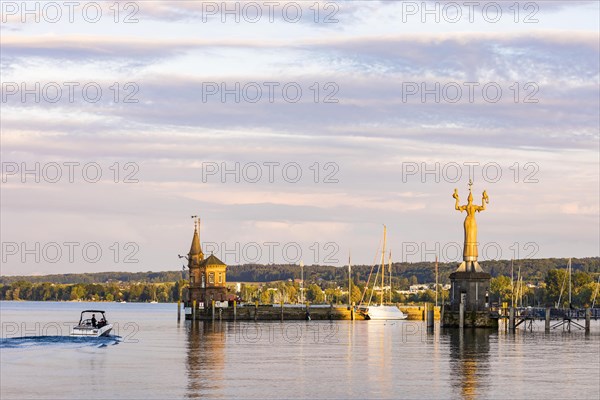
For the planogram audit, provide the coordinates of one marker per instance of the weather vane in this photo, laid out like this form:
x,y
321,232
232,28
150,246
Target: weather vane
x,y
196,220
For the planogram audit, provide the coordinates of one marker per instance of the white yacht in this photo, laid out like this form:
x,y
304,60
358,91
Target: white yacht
x,y
381,311
90,326
376,312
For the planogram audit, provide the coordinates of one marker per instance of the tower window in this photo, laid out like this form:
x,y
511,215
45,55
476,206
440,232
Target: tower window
x,y
220,277
211,277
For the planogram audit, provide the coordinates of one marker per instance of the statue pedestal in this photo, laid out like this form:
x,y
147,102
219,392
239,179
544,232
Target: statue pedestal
x,y
469,266
471,290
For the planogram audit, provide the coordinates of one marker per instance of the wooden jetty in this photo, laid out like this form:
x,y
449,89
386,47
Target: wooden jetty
x,y
554,318
233,311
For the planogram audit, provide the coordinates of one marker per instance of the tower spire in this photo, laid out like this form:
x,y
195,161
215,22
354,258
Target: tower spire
x,y
195,248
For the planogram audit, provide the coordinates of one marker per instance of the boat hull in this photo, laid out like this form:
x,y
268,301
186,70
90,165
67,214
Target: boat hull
x,y
88,331
385,313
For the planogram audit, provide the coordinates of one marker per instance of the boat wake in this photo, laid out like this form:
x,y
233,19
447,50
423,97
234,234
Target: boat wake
x,y
27,342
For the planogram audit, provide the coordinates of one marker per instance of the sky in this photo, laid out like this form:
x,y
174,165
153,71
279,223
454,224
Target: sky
x,y
295,131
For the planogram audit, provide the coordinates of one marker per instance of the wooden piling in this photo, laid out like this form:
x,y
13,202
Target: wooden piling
x,y
461,315
282,311
213,310
511,319
430,319
235,310
178,310
352,311
547,325
588,317
255,310
194,310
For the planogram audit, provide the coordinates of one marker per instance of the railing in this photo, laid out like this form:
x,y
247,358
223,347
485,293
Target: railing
x,y
555,313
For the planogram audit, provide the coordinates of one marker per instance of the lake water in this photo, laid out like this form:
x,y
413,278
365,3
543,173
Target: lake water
x,y
154,356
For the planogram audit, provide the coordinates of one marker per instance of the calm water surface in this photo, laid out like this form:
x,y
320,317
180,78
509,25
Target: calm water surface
x,y
153,356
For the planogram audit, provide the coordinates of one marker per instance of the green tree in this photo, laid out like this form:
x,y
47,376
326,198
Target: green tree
x,y
428,296
314,294
162,293
556,284
78,292
292,294
356,294
176,290
398,297
585,294
403,284
500,288
266,296
148,292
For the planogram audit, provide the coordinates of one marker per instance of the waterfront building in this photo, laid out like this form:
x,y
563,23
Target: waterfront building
x,y
208,276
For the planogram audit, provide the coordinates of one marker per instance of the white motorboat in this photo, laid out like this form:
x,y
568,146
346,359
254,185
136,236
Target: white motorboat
x,y
89,326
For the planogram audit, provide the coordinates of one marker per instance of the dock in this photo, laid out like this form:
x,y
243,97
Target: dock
x,y
270,312
232,311
554,318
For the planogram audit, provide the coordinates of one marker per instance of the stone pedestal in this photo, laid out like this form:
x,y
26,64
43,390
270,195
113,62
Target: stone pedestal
x,y
471,289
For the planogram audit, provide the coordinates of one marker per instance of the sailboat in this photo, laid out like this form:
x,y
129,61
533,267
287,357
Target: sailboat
x,y
382,311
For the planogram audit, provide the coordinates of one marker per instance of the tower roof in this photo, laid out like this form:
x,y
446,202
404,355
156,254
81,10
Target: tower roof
x,y
212,260
195,249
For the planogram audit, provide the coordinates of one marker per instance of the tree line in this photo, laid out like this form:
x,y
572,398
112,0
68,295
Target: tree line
x,y
552,291
132,292
544,282
532,270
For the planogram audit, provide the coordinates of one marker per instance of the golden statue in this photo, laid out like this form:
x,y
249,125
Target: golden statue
x,y
469,263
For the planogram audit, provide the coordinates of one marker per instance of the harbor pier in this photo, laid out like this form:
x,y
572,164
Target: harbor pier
x,y
553,318
232,311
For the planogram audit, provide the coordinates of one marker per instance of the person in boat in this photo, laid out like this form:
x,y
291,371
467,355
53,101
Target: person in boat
x,y
94,323
102,322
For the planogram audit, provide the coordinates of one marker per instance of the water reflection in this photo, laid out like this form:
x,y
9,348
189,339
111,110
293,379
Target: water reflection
x,y
469,361
205,358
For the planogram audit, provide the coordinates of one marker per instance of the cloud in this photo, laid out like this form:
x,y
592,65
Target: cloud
x,y
370,133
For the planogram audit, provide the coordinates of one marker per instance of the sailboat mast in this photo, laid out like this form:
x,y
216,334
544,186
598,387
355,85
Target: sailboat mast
x,y
512,284
390,269
596,292
519,282
436,281
349,279
302,282
383,263
570,271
